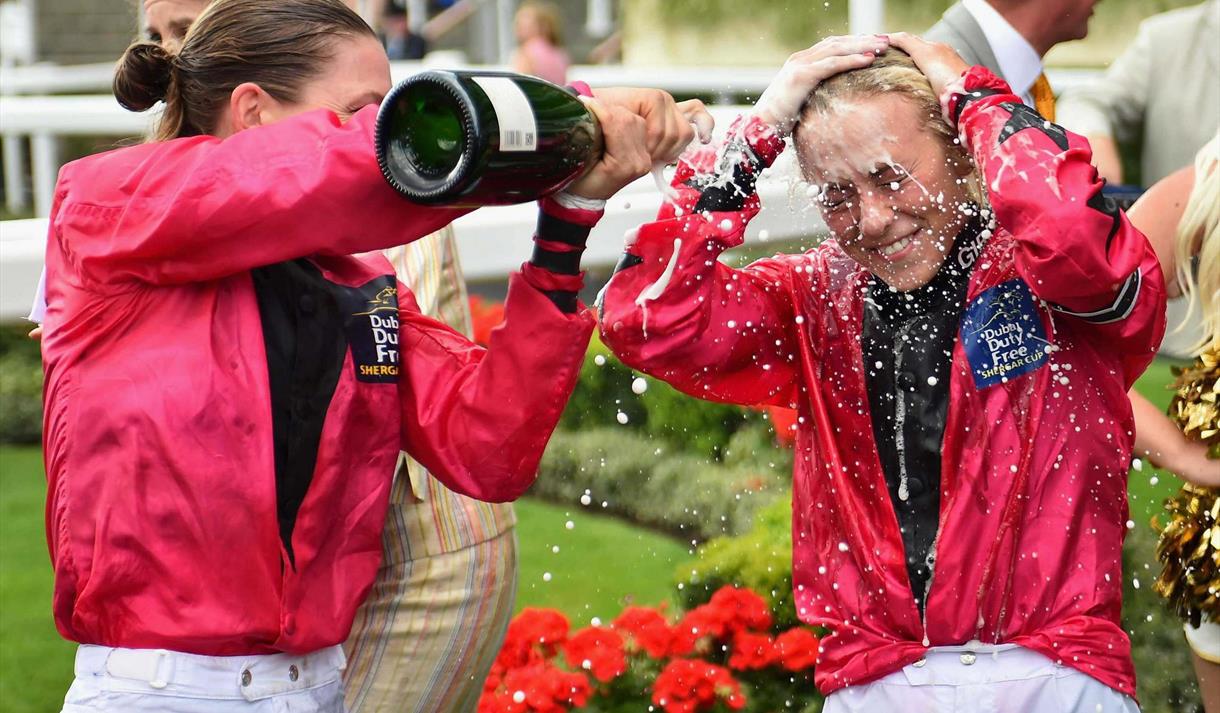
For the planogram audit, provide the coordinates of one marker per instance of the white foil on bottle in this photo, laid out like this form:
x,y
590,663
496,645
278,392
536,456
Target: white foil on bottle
x,y
518,128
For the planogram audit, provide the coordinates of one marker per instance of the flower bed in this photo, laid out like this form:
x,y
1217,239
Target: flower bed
x,y
722,655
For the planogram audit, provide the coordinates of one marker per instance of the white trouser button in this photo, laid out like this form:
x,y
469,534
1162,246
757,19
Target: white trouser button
x,y
920,663
968,659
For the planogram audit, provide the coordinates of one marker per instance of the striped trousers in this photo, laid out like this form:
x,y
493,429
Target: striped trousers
x,y
430,629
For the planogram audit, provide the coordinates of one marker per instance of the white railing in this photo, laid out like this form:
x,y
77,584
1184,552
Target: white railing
x,y
44,119
711,81
491,241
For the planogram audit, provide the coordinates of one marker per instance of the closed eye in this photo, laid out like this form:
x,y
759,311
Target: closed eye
x,y
833,196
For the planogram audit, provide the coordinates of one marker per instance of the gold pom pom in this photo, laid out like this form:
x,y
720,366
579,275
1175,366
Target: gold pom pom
x,y
1189,551
1196,400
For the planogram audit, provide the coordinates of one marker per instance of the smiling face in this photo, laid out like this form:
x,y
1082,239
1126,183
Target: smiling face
x,y
890,190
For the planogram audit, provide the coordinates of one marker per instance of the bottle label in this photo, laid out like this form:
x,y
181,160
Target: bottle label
x,y
518,129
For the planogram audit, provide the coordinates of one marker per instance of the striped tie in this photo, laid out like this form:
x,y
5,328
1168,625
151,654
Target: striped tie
x,y
1044,97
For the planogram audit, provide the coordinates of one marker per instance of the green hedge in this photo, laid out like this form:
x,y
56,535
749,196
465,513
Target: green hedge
x,y
759,559
604,390
651,482
20,386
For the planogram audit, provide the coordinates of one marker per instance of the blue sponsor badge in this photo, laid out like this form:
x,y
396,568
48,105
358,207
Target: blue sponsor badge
x,y
1003,335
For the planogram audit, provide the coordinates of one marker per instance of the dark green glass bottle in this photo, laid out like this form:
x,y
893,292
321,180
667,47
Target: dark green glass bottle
x,y
483,138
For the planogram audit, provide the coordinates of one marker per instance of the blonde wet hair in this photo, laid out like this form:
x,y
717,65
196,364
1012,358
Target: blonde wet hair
x,y
1198,235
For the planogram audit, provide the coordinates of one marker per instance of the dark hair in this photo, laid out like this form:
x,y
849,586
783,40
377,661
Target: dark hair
x,y
277,44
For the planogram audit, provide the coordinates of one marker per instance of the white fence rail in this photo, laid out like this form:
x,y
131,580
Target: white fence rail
x,y
44,119
491,241
713,81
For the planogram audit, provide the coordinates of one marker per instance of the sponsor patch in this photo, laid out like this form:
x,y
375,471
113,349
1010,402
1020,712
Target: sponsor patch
x,y
370,314
1003,335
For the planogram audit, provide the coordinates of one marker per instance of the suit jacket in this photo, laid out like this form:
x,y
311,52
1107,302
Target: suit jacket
x,y
1162,90
959,29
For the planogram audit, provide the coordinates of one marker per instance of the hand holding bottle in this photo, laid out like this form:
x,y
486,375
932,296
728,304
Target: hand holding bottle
x,y
625,157
669,126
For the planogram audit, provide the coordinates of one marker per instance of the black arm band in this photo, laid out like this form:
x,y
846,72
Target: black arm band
x,y
558,230
969,97
564,263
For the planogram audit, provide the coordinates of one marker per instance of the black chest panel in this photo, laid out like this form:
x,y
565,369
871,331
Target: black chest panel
x,y
308,325
908,341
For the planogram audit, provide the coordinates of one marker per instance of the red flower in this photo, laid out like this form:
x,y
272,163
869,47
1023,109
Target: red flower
x,y
485,315
598,651
534,635
645,629
538,688
751,651
741,609
796,649
690,685
701,623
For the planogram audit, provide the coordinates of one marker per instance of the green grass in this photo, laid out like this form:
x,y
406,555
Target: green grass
x,y
602,563
1149,486
35,663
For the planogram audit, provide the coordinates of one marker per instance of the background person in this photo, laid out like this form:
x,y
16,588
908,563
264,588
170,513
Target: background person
x,y
1186,236
540,49
1162,94
400,41
1010,38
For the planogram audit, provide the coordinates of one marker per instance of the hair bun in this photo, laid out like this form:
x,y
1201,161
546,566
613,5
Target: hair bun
x,y
143,75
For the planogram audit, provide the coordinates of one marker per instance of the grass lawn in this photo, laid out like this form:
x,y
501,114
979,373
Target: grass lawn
x,y
602,563
1149,487
35,663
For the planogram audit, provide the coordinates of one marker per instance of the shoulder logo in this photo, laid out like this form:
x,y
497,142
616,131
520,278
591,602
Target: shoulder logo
x,y
370,313
1003,335
384,301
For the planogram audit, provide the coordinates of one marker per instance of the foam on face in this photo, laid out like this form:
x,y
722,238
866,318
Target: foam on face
x,y
862,142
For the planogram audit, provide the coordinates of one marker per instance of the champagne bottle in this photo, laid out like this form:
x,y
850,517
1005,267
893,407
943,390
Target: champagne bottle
x,y
472,138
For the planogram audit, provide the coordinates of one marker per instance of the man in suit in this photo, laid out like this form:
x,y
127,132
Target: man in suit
x,y
1161,91
1010,37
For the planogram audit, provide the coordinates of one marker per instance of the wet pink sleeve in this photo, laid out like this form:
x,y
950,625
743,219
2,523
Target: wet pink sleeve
x,y
200,208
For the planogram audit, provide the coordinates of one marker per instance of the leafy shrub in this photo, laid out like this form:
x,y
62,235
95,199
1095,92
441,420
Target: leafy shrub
x,y
604,391
759,560
650,482
20,386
